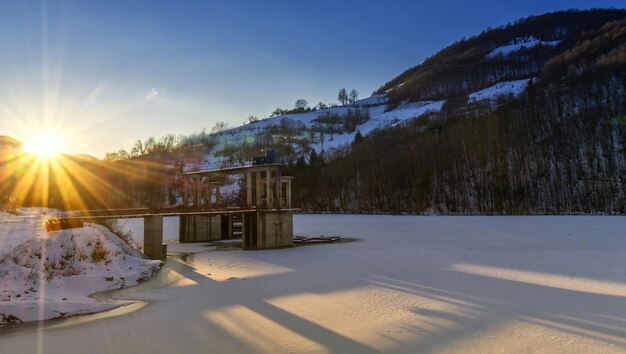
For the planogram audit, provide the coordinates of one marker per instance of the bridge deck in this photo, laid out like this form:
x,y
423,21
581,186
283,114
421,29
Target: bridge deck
x,y
260,228
146,212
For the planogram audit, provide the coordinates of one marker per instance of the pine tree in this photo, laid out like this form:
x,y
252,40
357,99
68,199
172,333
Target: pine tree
x,y
358,137
313,157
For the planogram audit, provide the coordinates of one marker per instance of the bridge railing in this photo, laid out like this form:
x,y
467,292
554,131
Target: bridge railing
x,y
214,166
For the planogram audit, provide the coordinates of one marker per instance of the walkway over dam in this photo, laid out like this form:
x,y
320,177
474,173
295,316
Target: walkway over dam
x,y
264,222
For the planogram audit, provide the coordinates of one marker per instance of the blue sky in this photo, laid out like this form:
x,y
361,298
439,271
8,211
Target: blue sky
x,y
105,73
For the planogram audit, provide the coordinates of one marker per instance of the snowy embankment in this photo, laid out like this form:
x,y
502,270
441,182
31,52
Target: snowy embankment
x,y
47,275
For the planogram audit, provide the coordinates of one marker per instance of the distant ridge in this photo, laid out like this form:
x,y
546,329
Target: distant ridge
x,y
7,140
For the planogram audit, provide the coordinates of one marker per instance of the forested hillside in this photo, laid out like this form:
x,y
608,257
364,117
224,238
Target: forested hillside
x,y
556,148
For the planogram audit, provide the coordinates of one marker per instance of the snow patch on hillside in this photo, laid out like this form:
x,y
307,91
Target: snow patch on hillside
x,y
395,87
502,88
374,105
373,100
380,119
47,275
411,110
519,44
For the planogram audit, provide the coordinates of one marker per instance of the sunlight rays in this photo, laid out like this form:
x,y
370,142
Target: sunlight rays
x,y
36,179
30,182
73,182
44,145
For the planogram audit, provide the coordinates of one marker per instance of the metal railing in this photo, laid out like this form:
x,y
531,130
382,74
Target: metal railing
x,y
214,166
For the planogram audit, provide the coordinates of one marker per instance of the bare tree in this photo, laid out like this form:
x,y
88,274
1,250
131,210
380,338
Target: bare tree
x,y
251,119
123,154
354,96
218,127
116,156
150,145
138,149
301,104
343,96
278,111
169,142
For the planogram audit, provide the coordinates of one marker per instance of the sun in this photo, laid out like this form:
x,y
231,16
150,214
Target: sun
x,y
44,145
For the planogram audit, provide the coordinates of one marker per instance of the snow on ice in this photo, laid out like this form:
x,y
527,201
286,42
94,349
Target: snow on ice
x,y
397,284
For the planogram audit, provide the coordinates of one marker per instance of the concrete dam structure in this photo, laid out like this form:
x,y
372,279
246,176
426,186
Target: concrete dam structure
x,y
264,222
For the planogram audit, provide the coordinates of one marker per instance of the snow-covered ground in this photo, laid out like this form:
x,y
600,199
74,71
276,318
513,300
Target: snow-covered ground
x,y
48,275
519,44
374,105
410,284
502,88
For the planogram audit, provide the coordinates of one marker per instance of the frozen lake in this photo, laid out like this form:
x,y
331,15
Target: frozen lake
x,y
404,284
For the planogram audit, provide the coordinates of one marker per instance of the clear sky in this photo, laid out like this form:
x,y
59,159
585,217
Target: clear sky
x,y
105,73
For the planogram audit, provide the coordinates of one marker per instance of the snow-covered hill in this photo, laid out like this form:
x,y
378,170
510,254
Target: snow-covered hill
x,y
309,136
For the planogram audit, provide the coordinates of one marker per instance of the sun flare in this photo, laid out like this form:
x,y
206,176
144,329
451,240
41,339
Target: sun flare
x,y
44,145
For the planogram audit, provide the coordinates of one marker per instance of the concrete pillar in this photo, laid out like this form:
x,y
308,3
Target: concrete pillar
x,y
268,188
203,227
289,193
243,227
209,194
216,228
227,226
183,228
248,189
249,235
185,191
206,192
192,191
259,190
266,229
283,191
153,237
199,228
206,187
279,190
198,191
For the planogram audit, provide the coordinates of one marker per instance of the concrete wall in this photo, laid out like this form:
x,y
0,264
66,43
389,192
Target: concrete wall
x,y
261,229
266,229
199,228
